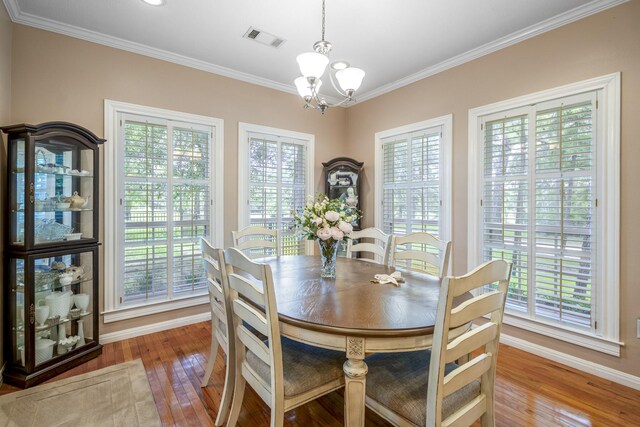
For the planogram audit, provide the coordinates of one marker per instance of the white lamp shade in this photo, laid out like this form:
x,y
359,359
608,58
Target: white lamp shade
x,y
302,84
350,78
312,64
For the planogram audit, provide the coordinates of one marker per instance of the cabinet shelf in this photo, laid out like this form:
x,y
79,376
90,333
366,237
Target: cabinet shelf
x,y
51,323
40,172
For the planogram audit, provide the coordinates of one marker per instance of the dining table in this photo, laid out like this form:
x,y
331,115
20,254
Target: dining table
x,y
350,313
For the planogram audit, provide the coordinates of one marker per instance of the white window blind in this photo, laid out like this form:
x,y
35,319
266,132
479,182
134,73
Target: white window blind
x,y
411,182
538,207
277,186
166,189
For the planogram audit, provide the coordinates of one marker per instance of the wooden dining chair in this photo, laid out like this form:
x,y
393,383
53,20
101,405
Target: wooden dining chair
x,y
421,251
379,248
426,387
283,372
220,321
257,242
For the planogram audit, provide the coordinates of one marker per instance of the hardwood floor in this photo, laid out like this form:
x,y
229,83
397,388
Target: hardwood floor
x,y
530,391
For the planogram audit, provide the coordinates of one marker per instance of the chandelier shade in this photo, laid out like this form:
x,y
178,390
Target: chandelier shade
x,y
312,64
350,78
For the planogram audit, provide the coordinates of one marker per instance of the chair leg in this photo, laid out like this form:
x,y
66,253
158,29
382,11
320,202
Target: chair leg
x,y
227,393
212,358
277,416
238,396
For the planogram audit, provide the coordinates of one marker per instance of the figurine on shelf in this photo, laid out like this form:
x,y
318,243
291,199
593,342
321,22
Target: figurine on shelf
x,y
77,201
76,272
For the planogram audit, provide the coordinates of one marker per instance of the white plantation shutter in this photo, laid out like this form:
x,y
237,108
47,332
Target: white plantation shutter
x,y
564,211
505,200
538,207
277,186
411,177
166,201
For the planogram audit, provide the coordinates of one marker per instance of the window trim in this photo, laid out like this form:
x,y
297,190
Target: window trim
x,y
446,176
111,311
607,308
243,171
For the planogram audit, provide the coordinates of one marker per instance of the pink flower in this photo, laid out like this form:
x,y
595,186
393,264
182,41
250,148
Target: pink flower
x,y
345,227
336,233
324,233
332,216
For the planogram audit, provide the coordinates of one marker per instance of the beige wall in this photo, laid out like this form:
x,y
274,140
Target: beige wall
x,y
6,28
599,45
62,78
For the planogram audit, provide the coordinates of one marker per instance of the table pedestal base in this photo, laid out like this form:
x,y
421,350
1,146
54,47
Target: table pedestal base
x,y
355,373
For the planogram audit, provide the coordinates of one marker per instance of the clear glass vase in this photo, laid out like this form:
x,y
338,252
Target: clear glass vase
x,y
328,253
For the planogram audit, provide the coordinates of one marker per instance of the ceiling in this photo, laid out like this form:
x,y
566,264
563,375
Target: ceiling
x,y
395,42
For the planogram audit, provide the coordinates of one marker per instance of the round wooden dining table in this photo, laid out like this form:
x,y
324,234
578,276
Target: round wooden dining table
x,y
354,315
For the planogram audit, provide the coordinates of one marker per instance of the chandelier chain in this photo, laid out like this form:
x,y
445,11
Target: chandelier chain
x,y
322,20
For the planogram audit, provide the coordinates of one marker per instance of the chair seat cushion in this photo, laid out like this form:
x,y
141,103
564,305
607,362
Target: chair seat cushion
x,y
305,367
399,382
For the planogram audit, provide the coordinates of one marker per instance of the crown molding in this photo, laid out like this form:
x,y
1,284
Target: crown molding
x,y
573,15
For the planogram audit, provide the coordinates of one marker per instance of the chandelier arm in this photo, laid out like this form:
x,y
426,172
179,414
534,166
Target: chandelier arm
x,y
335,86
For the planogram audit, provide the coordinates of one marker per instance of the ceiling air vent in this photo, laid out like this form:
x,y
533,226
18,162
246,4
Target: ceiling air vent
x,y
263,37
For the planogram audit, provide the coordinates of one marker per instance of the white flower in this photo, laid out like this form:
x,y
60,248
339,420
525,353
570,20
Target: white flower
x,y
345,227
324,233
336,233
317,220
332,216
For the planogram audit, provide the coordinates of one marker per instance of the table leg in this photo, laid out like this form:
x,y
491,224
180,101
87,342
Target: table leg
x,y
355,372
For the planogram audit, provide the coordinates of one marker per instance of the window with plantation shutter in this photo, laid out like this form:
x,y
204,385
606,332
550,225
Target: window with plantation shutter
x,y
165,190
275,179
413,173
542,206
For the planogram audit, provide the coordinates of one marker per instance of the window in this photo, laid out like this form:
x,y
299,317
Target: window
x,y
541,206
413,178
276,176
162,195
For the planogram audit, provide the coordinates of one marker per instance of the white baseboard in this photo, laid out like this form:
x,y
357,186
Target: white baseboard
x,y
573,362
155,327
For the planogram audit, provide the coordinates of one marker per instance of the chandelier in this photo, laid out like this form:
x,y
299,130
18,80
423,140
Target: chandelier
x,y
312,67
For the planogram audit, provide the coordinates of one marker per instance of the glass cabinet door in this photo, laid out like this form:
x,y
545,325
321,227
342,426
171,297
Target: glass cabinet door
x,y
63,191
61,312
17,183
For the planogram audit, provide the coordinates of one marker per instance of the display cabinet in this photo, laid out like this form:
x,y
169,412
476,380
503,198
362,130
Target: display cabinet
x,y
342,180
51,251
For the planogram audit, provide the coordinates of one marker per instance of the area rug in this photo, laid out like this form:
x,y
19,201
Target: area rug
x,y
119,395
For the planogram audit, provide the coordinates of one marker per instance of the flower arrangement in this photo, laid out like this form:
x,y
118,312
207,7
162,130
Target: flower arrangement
x,y
325,219
328,221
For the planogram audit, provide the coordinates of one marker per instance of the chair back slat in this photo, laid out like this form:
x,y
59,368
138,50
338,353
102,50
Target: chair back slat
x,y
484,337
245,287
251,238
380,246
253,343
475,307
470,341
421,251
468,413
483,274
467,374
250,315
